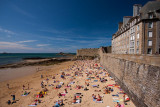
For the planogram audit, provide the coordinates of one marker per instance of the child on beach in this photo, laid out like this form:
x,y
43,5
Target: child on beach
x,y
23,87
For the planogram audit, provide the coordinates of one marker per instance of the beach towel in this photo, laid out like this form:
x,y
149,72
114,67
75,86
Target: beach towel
x,y
50,85
121,100
32,105
57,105
24,95
94,99
95,80
71,82
94,85
115,98
61,83
63,94
77,101
67,86
116,101
99,101
120,92
122,105
115,95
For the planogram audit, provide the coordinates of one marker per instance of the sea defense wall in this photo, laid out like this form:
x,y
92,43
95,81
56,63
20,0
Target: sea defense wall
x,y
138,75
88,52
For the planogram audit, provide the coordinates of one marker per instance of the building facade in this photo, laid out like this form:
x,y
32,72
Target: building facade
x,y
140,33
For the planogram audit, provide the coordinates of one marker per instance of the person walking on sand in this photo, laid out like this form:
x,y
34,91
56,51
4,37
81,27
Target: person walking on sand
x,y
23,87
41,76
28,86
8,86
13,98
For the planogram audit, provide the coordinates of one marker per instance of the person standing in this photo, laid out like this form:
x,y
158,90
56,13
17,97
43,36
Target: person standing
x,y
13,98
28,86
8,86
23,87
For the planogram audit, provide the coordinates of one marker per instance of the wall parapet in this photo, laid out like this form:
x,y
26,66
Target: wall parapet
x,y
143,59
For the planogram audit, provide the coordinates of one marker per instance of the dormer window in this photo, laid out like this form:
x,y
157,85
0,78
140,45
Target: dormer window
x,y
150,15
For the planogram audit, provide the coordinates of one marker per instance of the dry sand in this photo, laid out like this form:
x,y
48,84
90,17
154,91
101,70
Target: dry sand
x,y
34,81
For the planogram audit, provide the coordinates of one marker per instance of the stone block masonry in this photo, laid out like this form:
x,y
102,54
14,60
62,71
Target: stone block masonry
x,y
88,52
140,79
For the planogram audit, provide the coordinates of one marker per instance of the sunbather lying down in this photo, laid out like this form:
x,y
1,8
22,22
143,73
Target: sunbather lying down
x,y
25,93
98,99
95,86
36,101
59,103
97,90
75,100
86,89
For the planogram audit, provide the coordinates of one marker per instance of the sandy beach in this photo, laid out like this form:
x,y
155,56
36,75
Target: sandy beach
x,y
81,79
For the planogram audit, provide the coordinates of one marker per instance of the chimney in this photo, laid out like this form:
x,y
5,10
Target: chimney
x,y
136,9
126,19
120,25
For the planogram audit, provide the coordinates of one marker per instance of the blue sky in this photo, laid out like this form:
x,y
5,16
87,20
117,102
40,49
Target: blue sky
x,y
49,26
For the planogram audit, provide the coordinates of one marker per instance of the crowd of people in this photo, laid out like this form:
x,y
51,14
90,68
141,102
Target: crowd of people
x,y
85,77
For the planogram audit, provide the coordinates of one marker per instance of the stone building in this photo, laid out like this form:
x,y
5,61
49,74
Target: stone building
x,y
140,33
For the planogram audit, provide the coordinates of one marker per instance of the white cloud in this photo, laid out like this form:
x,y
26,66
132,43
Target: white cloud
x,y
15,45
61,32
11,45
63,39
41,45
6,31
22,11
26,41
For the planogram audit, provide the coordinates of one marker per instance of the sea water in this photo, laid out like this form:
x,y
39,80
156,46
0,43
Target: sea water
x,y
10,58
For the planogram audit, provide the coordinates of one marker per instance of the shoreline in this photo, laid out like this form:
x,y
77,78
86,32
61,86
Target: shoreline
x,y
20,72
37,62
33,79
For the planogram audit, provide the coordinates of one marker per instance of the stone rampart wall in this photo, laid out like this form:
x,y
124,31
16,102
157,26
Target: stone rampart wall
x,y
138,75
88,52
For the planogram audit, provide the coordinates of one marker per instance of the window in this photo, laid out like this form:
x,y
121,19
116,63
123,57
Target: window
x,y
137,51
150,15
149,51
149,43
133,37
137,43
138,36
150,25
131,44
138,28
131,51
149,34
